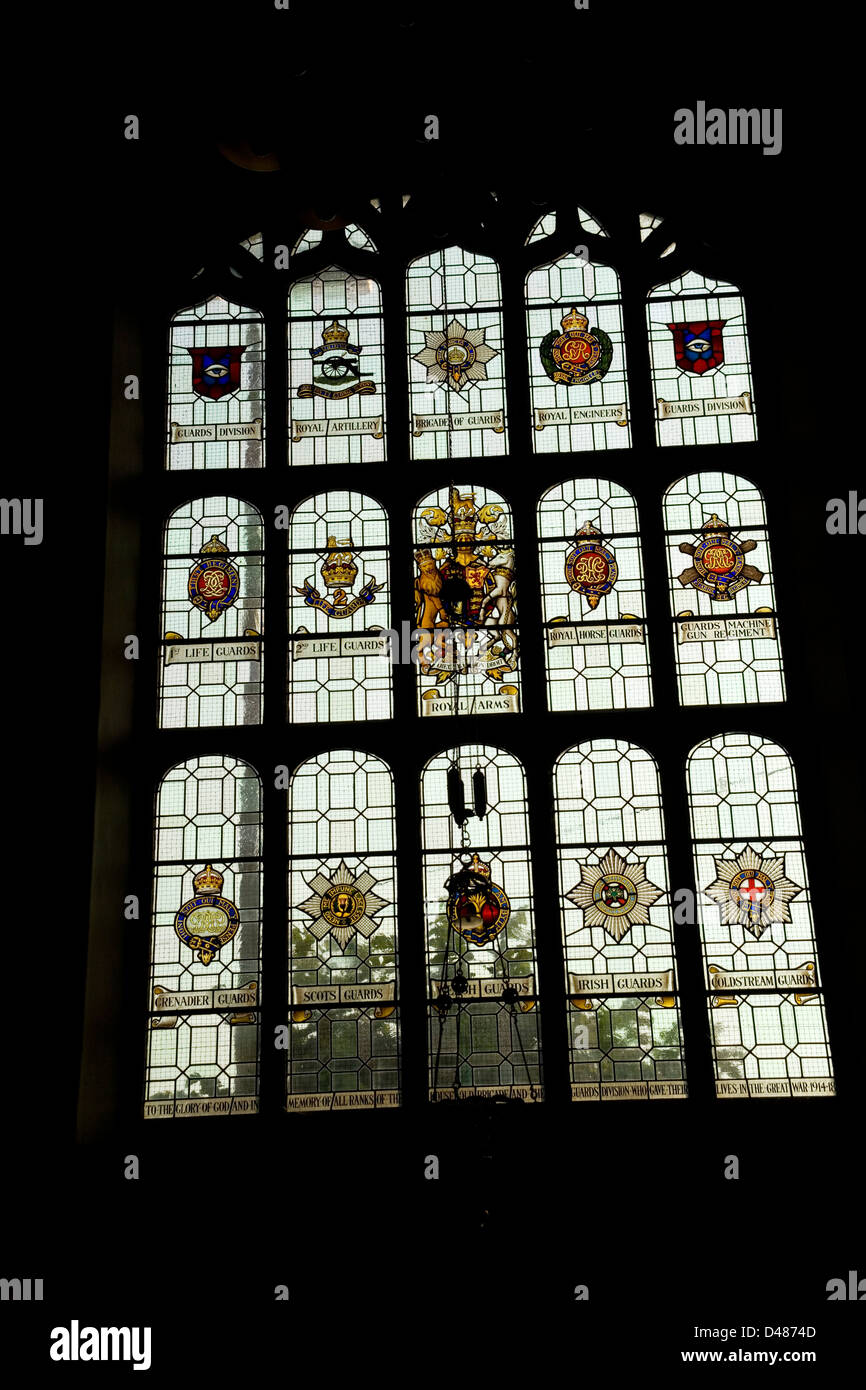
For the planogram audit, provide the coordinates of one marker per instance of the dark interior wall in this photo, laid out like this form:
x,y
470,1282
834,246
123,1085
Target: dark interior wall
x,y
627,1198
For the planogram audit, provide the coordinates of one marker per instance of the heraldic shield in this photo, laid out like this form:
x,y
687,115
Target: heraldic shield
x,y
698,347
216,371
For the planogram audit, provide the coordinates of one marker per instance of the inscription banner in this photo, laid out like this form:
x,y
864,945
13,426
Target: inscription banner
x,y
580,415
226,1105
171,1001
203,434
365,424
803,977
345,1100
489,1093
492,989
724,629
779,1086
472,420
588,985
308,648
707,405
628,1090
593,634
204,652
469,704
343,994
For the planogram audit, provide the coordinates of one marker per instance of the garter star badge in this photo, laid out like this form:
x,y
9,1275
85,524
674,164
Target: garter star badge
x,y
214,582
578,354
457,357
216,371
207,921
479,914
719,568
591,570
614,894
342,904
752,889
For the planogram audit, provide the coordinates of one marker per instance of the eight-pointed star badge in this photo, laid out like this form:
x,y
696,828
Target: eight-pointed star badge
x,y
614,894
457,357
752,890
342,904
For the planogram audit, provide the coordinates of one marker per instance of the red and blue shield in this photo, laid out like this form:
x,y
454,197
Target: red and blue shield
x,y
698,347
216,371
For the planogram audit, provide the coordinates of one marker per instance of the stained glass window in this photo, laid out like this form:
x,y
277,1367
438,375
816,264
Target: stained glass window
x,y
339,599
216,392
456,361
721,588
255,245
574,329
205,974
767,1018
466,642
481,962
336,369
592,597
344,1043
699,349
212,663
624,1016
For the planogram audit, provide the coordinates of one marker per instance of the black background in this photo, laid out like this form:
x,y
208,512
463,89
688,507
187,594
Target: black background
x,y
542,102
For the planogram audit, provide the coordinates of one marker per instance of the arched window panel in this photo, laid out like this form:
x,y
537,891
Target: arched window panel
x,y
721,588
216,387
578,385
205,972
212,660
456,359
623,1005
336,369
699,350
344,1040
466,640
255,245
761,966
478,907
339,599
592,597
544,227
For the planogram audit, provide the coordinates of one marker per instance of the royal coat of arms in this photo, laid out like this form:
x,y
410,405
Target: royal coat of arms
x,y
339,572
465,586
591,569
216,371
336,368
719,568
207,921
214,582
578,354
698,347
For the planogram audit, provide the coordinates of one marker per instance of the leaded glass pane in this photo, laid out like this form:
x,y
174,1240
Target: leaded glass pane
x,y
343,993
592,598
205,975
755,916
456,360
624,1023
726,631
481,963
216,393
336,369
699,350
466,641
211,661
339,610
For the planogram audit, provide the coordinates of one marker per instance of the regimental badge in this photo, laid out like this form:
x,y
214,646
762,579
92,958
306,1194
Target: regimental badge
x,y
698,347
752,890
208,921
576,356
216,371
719,568
214,582
479,913
590,569
342,904
614,894
339,572
456,358
336,369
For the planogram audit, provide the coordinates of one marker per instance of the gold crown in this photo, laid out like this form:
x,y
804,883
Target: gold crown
x,y
423,555
715,526
479,867
588,530
339,569
208,881
574,322
335,333
213,546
